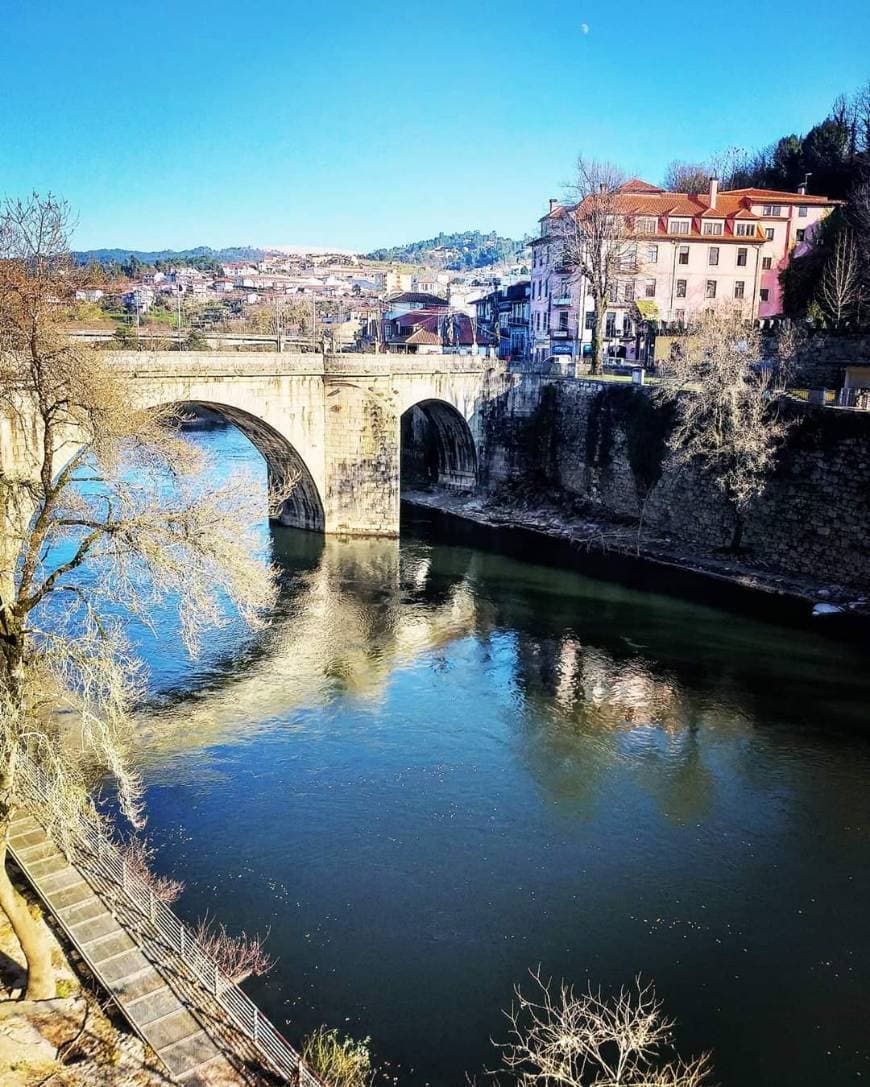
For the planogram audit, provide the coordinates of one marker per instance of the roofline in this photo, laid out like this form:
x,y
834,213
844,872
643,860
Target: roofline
x,y
778,196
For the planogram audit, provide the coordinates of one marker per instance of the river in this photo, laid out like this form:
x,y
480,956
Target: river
x,y
441,766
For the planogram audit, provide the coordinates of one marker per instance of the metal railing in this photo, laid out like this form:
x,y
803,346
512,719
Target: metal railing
x,y
276,1051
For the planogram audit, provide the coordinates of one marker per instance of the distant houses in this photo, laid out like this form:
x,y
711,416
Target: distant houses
x,y
504,314
418,324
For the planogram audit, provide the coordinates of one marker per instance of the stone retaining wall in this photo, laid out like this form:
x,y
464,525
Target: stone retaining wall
x,y
826,355
604,446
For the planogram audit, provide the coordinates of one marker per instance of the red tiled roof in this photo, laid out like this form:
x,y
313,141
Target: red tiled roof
x,y
428,328
638,197
775,196
423,335
639,185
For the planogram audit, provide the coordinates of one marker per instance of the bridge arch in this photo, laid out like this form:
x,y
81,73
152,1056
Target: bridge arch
x,y
294,499
437,447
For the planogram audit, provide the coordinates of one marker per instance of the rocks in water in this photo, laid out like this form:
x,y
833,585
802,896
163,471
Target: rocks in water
x,y
826,609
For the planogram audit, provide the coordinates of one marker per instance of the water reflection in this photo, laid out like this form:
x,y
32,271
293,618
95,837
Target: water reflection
x,y
439,766
350,614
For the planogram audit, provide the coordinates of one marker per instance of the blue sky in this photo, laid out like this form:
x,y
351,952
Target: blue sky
x,y
354,124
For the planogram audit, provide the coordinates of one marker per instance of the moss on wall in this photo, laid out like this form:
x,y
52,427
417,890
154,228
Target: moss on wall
x,y
643,423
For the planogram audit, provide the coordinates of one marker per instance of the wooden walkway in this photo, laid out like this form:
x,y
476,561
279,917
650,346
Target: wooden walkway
x,y
203,1028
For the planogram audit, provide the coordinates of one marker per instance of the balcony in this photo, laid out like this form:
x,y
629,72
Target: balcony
x,y
562,300
559,333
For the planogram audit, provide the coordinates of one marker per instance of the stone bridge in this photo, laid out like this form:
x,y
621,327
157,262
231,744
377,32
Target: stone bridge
x,y
336,423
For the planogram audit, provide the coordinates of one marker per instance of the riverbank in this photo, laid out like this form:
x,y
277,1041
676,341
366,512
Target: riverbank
x,y
643,558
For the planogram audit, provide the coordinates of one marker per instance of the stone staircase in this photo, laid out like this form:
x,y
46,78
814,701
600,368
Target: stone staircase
x,y
152,991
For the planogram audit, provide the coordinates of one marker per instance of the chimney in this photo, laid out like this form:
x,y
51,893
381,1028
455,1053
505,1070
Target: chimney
x,y
714,191
802,188
554,203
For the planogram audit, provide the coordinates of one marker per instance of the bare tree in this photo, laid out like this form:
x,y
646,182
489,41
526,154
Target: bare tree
x,y
687,177
727,408
559,1036
840,285
238,957
694,177
598,240
104,507
138,854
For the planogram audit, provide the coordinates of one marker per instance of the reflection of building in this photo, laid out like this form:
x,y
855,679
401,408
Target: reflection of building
x,y
361,610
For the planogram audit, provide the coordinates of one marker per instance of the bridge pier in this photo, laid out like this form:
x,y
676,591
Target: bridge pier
x,y
362,458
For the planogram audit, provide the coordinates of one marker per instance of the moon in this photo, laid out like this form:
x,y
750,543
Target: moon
x,y
584,27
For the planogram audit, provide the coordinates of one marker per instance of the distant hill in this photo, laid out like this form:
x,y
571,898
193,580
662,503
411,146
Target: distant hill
x,y
199,253
454,252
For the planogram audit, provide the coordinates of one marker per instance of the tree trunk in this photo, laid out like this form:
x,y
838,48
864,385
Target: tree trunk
x,y
30,935
597,364
737,535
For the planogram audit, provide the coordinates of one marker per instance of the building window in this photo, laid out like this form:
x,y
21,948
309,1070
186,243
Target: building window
x,y
764,294
680,316
767,263
610,324
649,289
647,225
652,254
628,258
679,226
745,230
712,228
800,235
742,257
710,289
768,233
772,209
563,320
802,211
713,255
629,291
739,287
683,255
681,288
590,320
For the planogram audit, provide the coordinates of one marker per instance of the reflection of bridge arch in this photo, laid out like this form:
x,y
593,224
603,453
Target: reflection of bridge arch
x,y
437,446
292,487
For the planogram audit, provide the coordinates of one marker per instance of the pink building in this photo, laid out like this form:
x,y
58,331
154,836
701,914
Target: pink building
x,y
689,252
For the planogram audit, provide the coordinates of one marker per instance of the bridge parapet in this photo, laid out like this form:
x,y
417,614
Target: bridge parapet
x,y
182,364
274,363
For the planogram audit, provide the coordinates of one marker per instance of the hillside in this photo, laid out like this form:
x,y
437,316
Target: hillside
x,y
454,252
200,252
